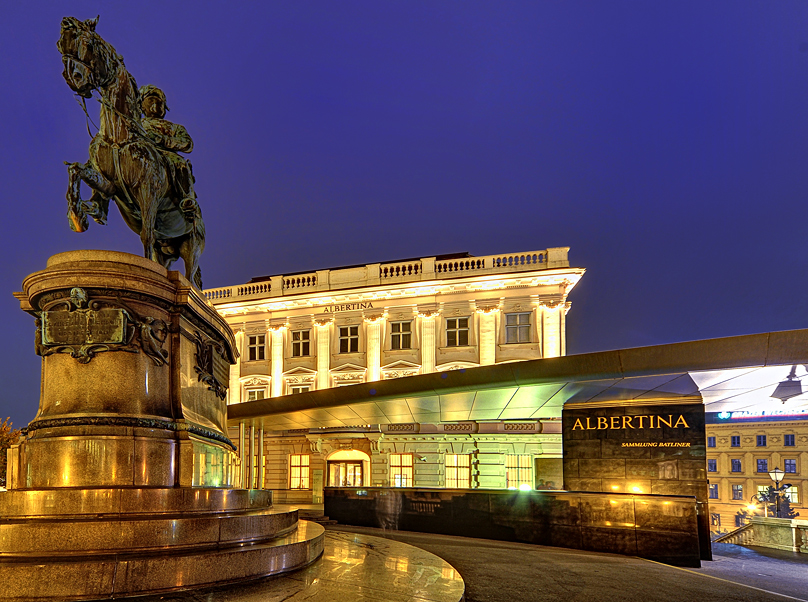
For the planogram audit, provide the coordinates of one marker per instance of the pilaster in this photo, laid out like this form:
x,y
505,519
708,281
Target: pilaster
x,y
487,339
323,327
552,334
277,331
234,390
428,340
374,346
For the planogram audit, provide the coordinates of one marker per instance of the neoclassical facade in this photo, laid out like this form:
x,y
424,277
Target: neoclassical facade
x,y
331,328
343,326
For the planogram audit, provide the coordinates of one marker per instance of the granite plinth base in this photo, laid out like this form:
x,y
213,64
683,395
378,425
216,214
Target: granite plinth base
x,y
354,567
67,544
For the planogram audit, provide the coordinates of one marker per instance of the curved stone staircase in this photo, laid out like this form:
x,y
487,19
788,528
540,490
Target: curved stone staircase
x,y
70,544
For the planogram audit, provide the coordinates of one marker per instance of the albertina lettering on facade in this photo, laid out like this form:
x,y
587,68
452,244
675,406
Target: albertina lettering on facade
x,y
628,422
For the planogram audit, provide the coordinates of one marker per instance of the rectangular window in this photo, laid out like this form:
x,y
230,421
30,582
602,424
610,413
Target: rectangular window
x,y
713,491
761,440
348,339
301,343
737,492
517,328
457,332
715,519
790,466
401,471
518,471
763,490
402,335
298,389
712,465
793,494
255,394
762,465
740,521
735,466
458,471
256,345
710,441
299,471
788,440
735,441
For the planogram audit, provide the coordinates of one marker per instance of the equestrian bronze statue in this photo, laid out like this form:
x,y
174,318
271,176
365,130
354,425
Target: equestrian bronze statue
x,y
133,160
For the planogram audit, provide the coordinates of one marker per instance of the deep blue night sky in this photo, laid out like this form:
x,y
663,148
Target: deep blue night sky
x,y
666,143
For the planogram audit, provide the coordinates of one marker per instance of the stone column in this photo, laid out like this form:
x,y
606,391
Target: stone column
x,y
323,353
251,460
261,470
277,331
428,340
487,340
242,456
374,346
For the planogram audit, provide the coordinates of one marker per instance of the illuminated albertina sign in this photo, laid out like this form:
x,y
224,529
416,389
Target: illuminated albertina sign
x,y
330,309
598,423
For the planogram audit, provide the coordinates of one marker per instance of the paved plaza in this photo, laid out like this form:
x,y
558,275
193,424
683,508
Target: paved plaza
x,y
498,571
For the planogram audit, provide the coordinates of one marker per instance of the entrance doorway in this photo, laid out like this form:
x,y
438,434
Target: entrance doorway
x,y
348,468
345,474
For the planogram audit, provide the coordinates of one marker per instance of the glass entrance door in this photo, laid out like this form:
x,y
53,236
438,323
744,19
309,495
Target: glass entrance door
x,y
345,474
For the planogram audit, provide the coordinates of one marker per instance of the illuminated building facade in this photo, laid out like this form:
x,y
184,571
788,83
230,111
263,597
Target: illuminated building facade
x,y
306,332
742,447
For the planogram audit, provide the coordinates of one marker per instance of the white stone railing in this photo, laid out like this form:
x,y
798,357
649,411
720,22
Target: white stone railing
x,y
741,536
417,270
404,269
300,281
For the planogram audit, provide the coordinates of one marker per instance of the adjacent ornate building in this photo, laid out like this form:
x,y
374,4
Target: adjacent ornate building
x,y
330,328
742,447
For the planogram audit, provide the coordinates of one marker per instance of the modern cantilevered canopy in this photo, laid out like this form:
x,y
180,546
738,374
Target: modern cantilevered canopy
x,y
730,374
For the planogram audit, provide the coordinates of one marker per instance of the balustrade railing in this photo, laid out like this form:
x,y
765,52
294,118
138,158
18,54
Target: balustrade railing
x,y
398,270
741,536
300,281
428,268
460,265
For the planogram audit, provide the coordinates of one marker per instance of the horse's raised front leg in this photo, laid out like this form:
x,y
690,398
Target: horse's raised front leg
x,y
76,216
98,205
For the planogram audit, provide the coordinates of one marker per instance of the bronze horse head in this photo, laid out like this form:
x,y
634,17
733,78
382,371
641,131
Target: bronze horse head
x,y
89,61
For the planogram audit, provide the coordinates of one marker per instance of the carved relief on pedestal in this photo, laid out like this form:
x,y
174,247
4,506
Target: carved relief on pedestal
x,y
211,366
82,327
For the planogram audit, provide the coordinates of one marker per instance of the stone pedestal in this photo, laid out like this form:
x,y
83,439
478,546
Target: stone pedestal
x,y
127,467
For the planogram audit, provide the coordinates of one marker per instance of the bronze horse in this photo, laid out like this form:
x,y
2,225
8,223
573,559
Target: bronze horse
x,y
124,165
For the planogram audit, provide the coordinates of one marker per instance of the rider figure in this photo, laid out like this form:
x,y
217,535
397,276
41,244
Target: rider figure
x,y
171,138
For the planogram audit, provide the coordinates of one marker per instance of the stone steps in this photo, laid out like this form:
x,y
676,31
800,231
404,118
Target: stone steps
x,y
103,543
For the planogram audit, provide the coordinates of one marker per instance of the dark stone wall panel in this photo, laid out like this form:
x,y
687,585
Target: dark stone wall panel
x,y
657,527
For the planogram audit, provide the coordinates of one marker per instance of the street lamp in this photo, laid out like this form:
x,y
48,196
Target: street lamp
x,y
777,475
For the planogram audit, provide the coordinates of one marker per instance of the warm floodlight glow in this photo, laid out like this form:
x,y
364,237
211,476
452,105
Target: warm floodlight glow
x,y
525,487
636,489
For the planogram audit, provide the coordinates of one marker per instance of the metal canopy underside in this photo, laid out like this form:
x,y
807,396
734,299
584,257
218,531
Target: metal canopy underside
x,y
730,374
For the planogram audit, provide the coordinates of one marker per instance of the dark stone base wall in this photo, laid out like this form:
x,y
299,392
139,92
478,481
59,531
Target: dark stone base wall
x,y
661,528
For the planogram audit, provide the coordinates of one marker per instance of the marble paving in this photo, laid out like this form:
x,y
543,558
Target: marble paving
x,y
353,567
